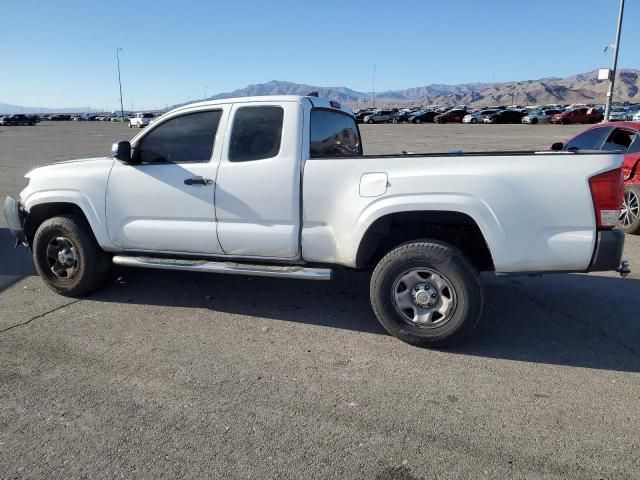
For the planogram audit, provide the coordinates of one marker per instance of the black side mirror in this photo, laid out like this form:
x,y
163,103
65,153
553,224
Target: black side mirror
x,y
558,146
122,151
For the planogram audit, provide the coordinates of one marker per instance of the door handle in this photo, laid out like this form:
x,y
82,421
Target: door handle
x,y
198,181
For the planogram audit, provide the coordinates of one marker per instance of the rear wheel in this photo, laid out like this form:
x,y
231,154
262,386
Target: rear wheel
x,y
395,120
427,293
629,219
67,256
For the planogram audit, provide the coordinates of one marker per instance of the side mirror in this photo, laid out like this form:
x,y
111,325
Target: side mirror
x,y
121,151
558,146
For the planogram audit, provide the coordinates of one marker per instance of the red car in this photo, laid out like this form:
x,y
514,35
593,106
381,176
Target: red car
x,y
578,115
451,116
623,137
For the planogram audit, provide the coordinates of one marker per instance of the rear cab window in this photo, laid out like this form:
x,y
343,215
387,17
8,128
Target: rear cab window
x,y
334,134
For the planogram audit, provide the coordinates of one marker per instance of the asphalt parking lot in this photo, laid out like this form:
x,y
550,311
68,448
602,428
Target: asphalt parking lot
x,y
182,375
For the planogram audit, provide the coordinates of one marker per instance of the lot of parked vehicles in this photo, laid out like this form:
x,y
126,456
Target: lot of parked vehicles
x,y
139,119
532,115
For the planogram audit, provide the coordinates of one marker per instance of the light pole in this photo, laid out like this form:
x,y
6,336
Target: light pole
x,y
373,86
614,64
205,92
120,84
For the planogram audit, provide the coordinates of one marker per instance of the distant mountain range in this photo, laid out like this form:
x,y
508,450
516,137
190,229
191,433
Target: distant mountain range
x,y
10,109
581,88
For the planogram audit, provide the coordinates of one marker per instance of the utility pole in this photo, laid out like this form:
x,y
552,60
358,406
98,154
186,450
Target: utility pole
x,y
614,64
373,86
120,84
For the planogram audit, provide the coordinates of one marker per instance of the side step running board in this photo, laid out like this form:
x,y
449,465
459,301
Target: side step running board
x,y
283,271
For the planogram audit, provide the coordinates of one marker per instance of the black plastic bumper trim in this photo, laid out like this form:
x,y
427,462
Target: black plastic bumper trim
x,y
608,253
14,217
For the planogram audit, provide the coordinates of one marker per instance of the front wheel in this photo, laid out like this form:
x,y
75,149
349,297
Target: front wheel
x,y
417,120
370,122
629,219
474,120
67,256
427,293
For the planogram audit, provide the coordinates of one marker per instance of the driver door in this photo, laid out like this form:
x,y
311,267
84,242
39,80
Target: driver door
x,y
163,201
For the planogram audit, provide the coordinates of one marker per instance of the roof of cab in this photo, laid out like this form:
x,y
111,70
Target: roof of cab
x,y
317,102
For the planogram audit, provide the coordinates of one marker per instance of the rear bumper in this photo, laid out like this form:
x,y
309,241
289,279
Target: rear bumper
x,y
608,253
14,214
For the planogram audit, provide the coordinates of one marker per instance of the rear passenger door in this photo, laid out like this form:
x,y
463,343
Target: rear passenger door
x,y
257,196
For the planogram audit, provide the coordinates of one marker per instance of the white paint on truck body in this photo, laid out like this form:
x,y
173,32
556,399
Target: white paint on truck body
x,y
535,211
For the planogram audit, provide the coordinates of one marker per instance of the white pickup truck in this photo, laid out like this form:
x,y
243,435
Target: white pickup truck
x,y
279,186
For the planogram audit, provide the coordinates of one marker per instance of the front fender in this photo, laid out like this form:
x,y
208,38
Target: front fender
x,y
92,212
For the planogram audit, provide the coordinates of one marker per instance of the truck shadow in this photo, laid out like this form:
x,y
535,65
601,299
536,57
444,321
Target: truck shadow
x,y
15,263
575,320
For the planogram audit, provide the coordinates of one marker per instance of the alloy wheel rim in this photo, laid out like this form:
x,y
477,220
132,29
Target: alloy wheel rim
x,y
424,297
62,258
630,209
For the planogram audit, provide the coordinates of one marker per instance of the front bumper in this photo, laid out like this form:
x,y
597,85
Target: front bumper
x,y
15,215
608,253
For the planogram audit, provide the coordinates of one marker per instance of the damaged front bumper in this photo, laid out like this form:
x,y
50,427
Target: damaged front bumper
x,y
15,215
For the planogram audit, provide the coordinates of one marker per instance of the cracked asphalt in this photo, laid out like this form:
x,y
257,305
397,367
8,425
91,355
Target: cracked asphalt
x,y
179,375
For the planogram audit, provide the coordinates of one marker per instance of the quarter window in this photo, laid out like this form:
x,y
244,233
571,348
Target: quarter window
x,y
620,140
187,138
256,134
334,134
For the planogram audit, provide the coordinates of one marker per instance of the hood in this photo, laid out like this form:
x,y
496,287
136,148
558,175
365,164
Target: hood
x,y
76,162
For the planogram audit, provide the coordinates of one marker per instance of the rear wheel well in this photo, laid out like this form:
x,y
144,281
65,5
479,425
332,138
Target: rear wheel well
x,y
455,228
42,212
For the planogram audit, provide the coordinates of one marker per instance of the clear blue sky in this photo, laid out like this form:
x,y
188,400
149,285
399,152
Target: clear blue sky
x,y
61,53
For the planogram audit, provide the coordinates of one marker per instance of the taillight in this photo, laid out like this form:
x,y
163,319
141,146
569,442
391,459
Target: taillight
x,y
606,191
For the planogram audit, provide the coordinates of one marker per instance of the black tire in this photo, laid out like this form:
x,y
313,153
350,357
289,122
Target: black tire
x,y
448,262
631,222
565,122
370,122
474,120
417,120
534,121
395,120
91,263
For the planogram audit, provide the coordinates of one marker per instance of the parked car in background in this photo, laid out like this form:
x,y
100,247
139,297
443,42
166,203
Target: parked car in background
x,y
402,116
505,116
539,116
362,113
17,119
578,115
452,116
623,137
423,116
140,120
619,114
478,116
381,116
